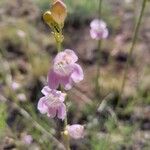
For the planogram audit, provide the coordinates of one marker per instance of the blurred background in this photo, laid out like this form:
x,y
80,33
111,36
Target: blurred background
x,y
26,50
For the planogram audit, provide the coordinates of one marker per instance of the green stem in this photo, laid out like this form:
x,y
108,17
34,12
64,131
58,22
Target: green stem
x,y
58,46
26,115
132,48
97,84
100,8
65,136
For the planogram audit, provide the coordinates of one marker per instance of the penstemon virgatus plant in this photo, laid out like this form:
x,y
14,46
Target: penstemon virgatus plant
x,y
98,32
63,74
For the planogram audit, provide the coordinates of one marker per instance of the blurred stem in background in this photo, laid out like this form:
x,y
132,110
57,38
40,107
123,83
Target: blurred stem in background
x,y
135,35
97,81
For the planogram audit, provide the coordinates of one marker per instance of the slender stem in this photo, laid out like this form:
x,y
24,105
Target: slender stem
x,y
65,136
97,84
59,46
132,48
38,126
100,8
26,115
59,39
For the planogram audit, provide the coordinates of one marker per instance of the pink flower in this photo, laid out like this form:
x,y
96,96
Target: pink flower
x,y
27,139
65,70
52,103
98,29
15,86
76,131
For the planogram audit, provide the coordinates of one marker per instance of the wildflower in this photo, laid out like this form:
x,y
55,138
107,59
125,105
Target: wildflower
x,y
65,70
21,97
21,33
15,85
76,131
27,139
98,29
52,103
57,14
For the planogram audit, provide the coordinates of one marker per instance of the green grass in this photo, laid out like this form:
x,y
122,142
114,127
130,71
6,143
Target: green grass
x,y
3,116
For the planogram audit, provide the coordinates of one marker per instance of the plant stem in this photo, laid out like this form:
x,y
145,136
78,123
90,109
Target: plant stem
x,y
97,81
58,46
65,136
97,84
100,8
132,48
26,115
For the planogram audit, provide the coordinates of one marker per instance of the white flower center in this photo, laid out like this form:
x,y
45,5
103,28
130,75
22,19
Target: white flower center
x,y
63,66
53,100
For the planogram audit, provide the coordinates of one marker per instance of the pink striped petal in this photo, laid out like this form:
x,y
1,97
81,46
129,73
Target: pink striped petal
x,y
42,107
77,74
53,80
61,114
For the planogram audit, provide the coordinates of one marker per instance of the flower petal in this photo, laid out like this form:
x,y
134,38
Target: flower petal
x,y
93,34
52,112
77,74
76,131
61,114
97,24
72,55
47,16
46,90
98,29
105,34
62,97
67,82
53,80
42,107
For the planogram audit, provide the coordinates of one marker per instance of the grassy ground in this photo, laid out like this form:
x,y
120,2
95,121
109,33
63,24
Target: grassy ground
x,y
25,59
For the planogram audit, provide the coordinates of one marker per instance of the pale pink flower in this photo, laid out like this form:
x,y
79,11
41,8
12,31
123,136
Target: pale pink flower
x,y
52,103
27,139
98,29
15,86
21,97
65,70
75,131
21,33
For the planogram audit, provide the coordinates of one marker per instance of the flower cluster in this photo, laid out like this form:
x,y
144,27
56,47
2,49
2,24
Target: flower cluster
x,y
65,72
98,29
52,103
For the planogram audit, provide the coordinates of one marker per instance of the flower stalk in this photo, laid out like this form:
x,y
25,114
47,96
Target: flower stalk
x,y
65,135
64,73
97,81
135,35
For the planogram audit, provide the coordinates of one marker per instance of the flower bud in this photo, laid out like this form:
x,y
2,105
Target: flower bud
x,y
59,11
76,131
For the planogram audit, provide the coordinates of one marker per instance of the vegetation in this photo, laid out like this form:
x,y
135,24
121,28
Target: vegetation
x,y
26,52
